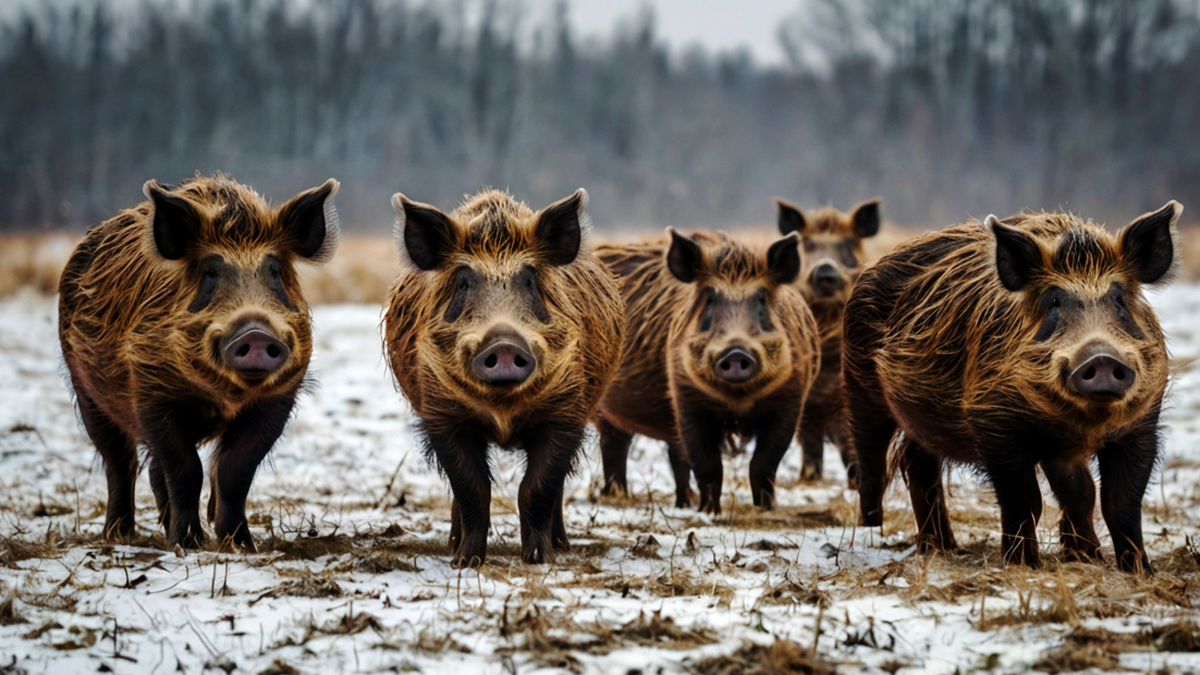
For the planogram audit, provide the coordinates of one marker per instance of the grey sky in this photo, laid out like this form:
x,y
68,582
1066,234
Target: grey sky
x,y
718,25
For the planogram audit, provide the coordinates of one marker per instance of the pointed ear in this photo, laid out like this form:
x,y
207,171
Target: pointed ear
x,y
424,236
683,257
790,218
1018,257
865,218
783,259
1150,244
176,222
560,227
311,220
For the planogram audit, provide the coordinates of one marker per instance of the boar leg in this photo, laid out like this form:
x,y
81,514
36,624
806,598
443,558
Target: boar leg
x,y
1075,491
923,474
119,453
1016,487
702,433
462,456
558,529
551,454
172,438
242,448
871,429
682,469
839,434
812,442
1125,467
614,453
158,484
773,434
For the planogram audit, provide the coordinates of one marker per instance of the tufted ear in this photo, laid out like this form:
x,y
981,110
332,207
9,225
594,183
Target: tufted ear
x,y
684,258
783,259
175,221
1150,244
560,227
790,218
1018,257
865,218
424,236
312,223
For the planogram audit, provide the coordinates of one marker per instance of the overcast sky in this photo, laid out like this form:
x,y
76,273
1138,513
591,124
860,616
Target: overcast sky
x,y
718,25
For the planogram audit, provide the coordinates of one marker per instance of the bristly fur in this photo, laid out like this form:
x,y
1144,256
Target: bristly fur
x,y
140,354
937,346
654,388
573,324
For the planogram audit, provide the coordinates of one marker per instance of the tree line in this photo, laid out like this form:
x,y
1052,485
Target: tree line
x,y
943,107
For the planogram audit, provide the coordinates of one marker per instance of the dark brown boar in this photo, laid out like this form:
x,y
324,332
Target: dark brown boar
x,y
182,321
503,328
1009,345
718,340
832,246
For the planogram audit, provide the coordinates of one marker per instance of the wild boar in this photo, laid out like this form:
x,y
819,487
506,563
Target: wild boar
x,y
832,247
503,328
1007,345
182,321
718,339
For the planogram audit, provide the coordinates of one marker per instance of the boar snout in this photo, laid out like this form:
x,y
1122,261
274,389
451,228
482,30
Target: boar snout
x,y
1100,374
825,280
504,357
736,365
254,350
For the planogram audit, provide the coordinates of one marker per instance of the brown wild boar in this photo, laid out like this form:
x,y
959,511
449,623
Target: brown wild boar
x,y
503,328
718,340
182,321
1009,345
833,256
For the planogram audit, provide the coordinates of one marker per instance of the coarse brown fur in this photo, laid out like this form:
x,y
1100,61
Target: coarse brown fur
x,y
145,353
973,357
666,387
495,240
832,248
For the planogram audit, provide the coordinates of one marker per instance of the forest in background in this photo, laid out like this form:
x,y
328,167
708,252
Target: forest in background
x,y
943,107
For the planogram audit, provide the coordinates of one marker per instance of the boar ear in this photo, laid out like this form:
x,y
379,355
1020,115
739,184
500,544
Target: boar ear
x,y
783,259
311,221
1017,255
423,234
790,218
1149,244
560,227
683,257
176,222
865,218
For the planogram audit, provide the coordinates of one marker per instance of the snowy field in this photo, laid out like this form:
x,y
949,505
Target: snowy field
x,y
353,573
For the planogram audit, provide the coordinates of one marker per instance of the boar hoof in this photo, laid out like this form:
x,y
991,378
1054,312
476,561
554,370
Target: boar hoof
x,y
683,499
1134,562
872,518
463,560
119,529
1023,553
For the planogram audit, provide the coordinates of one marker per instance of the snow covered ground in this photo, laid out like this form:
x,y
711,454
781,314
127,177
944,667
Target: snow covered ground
x,y
353,573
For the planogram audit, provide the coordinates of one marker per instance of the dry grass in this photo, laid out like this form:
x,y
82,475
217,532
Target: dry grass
x,y
33,261
784,656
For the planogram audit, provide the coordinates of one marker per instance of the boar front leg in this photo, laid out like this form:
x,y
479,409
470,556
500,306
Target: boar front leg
x,y
923,474
1015,481
614,453
773,432
1125,467
172,435
702,433
1075,491
462,456
119,453
551,455
243,446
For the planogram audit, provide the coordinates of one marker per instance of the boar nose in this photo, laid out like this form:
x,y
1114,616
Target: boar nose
x,y
256,350
504,358
1102,376
826,280
736,365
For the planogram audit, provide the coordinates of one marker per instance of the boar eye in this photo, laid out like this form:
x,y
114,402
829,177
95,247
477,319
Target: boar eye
x,y
706,307
760,309
275,281
1052,302
527,279
464,279
1125,320
849,259
210,278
